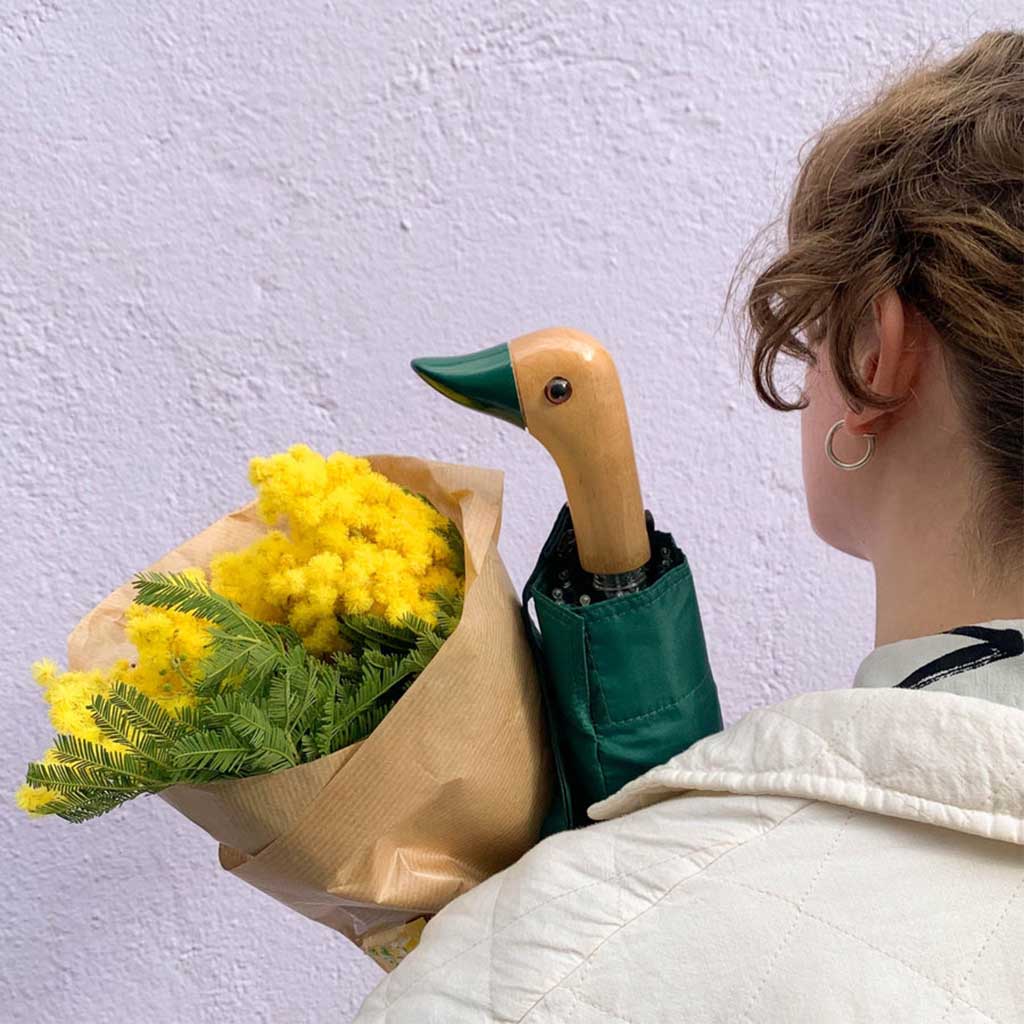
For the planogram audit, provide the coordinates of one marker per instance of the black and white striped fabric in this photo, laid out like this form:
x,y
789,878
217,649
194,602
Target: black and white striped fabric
x,y
984,660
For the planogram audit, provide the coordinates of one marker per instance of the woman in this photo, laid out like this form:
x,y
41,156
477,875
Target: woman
x,y
852,854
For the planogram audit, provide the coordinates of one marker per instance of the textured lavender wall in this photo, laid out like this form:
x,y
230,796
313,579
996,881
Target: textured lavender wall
x,y
228,226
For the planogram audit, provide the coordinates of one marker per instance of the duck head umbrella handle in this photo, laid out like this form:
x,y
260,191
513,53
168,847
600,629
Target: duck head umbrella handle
x,y
561,385
625,679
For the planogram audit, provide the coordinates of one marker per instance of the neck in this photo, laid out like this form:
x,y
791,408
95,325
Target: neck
x,y
923,587
929,577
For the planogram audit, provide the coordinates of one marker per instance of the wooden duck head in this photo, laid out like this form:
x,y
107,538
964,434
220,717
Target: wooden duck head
x,y
561,385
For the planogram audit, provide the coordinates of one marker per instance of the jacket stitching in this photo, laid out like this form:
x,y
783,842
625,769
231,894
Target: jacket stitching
x,y
578,996
640,783
742,783
835,733
784,941
875,782
561,896
618,915
741,778
494,910
620,823
760,834
981,949
864,942
1007,787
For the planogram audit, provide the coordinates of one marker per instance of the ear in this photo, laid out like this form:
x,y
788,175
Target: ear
x,y
889,362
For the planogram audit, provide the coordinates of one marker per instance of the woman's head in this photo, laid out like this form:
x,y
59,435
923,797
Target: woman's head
x,y
902,288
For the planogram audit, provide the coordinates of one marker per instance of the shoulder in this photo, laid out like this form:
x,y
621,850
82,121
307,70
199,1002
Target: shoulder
x,y
540,919
712,900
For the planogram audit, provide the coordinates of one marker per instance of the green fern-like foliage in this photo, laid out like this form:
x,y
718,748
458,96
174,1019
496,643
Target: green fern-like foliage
x,y
265,702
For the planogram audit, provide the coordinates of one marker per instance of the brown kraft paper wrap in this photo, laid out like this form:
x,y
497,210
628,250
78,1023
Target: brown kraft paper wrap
x,y
450,788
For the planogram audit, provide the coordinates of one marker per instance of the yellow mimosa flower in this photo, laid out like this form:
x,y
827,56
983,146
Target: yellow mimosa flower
x,y
346,541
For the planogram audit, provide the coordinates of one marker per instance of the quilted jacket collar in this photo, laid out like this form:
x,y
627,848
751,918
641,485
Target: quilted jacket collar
x,y
943,759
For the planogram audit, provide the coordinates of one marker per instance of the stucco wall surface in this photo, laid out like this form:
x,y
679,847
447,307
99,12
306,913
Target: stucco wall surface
x,y
226,227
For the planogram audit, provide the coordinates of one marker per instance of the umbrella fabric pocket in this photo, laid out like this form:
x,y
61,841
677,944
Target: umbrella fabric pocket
x,y
626,681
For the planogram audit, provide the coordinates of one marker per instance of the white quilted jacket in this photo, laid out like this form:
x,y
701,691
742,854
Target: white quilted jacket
x,y
852,855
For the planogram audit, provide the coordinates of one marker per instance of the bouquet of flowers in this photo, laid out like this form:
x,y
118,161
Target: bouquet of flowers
x,y
332,681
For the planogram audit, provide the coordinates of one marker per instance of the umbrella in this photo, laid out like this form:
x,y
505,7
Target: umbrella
x,y
618,640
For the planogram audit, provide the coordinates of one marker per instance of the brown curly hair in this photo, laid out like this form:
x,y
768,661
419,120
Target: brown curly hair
x,y
921,190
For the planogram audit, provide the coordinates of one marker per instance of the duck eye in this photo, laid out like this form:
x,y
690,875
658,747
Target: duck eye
x,y
557,390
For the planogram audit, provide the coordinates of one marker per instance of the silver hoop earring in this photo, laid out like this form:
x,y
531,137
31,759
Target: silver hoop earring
x,y
847,465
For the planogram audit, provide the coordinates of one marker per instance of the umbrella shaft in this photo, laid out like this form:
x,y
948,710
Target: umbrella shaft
x,y
614,584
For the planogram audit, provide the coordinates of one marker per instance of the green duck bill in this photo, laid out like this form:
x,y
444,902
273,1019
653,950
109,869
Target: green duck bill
x,y
483,380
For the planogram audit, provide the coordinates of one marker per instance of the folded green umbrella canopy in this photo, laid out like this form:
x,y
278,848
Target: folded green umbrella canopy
x,y
618,641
